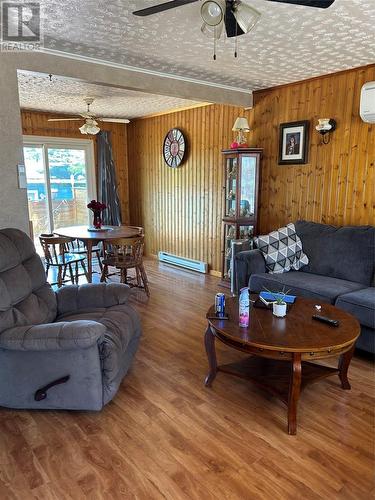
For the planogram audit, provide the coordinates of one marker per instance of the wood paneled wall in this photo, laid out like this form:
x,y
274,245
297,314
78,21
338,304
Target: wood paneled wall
x,y
181,209
337,184
34,123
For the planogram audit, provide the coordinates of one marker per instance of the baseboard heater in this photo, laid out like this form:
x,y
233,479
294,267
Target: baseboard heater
x,y
192,265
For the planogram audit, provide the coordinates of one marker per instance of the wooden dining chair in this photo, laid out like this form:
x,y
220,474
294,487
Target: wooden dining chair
x,y
78,247
56,255
140,229
127,253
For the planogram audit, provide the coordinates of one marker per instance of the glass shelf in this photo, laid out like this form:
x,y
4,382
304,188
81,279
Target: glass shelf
x,y
231,187
247,183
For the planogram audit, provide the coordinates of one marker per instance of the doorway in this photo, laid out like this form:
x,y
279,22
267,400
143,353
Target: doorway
x,y
60,182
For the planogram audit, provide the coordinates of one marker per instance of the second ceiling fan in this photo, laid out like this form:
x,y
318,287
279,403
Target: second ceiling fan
x,y
90,126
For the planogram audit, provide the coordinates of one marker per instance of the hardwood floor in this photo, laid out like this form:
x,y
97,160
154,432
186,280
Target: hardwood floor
x,y
166,436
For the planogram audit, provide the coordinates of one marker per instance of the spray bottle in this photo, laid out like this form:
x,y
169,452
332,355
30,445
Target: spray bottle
x,y
244,307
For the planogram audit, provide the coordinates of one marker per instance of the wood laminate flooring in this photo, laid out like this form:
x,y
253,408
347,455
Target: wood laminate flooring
x,y
166,436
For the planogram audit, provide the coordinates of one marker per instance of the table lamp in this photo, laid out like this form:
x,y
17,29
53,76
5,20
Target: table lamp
x,y
241,125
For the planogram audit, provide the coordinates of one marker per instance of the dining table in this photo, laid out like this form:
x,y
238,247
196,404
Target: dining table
x,y
91,237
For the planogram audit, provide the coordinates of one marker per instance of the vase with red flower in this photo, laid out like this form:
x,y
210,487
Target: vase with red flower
x,y
97,208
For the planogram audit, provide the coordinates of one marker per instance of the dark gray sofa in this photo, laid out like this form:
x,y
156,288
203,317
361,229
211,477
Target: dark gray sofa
x,y
82,336
340,271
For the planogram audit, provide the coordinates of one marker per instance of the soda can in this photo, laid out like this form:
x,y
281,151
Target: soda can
x,y
219,304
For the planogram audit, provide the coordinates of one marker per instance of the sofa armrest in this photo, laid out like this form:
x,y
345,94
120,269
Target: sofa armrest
x,y
91,296
52,336
248,263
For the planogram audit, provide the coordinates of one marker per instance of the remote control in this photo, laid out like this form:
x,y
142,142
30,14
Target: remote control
x,y
323,319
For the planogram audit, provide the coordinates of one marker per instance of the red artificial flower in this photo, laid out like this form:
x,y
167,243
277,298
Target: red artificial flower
x,y
96,206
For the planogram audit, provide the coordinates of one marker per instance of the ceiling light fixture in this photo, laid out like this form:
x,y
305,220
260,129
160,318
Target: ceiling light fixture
x,y
236,16
213,11
213,14
90,127
246,16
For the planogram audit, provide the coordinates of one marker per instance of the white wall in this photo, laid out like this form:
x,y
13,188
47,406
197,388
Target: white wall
x,y
13,201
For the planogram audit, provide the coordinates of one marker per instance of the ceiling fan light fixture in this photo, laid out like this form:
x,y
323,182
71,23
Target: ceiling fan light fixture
x,y
212,31
246,16
90,128
213,11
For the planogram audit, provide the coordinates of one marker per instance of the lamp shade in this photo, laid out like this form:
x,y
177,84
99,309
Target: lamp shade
x,y
241,124
90,127
246,16
213,11
212,31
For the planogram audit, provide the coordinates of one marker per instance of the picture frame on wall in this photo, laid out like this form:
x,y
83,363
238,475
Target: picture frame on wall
x,y
294,142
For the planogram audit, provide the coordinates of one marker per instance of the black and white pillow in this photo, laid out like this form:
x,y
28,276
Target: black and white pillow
x,y
282,250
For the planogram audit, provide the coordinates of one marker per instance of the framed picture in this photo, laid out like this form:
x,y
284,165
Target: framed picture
x,y
293,142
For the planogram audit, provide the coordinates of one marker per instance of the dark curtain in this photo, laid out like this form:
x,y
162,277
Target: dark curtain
x,y
108,190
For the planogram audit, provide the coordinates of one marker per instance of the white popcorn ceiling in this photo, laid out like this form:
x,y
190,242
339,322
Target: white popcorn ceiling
x,y
289,43
65,96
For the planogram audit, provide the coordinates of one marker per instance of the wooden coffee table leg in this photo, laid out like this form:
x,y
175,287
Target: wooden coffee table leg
x,y
344,363
209,342
294,392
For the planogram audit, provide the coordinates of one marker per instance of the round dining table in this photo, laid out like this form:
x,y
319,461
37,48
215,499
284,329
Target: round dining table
x,y
92,237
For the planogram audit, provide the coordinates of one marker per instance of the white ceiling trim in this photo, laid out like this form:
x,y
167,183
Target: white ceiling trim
x,y
135,69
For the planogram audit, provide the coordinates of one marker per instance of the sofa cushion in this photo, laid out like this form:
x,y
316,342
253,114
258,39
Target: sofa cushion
x,y
301,284
123,331
361,304
282,250
341,252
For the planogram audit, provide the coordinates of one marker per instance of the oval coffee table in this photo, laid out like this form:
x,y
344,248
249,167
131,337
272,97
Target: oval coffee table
x,y
282,348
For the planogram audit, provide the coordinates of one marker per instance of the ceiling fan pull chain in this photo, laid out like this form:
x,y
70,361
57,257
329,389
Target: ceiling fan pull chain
x,y
236,41
215,43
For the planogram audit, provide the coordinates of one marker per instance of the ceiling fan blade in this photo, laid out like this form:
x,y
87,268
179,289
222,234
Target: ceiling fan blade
x,y
231,26
65,119
162,7
321,4
113,120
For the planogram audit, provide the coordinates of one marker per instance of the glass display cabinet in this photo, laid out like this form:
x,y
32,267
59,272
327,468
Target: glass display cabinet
x,y
241,199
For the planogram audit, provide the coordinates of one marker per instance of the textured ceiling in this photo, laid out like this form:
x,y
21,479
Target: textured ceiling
x,y
64,95
289,43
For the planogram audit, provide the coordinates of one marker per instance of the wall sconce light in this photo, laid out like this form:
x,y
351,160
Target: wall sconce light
x,y
241,125
325,127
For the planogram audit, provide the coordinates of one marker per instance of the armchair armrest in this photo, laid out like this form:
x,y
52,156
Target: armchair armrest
x,y
248,263
91,296
52,336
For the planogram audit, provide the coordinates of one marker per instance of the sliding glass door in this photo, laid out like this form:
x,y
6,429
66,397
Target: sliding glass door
x,y
60,182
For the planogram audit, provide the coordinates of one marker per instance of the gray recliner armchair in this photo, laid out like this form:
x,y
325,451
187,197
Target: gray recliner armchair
x,y
64,350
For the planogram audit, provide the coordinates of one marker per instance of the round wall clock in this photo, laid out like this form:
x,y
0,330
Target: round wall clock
x,y
174,148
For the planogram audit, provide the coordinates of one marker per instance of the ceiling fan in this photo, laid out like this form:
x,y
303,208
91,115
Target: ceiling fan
x,y
91,121
237,16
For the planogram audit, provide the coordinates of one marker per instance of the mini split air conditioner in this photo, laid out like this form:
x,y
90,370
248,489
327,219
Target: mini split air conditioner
x,y
367,108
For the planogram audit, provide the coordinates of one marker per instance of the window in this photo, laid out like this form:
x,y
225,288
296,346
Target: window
x,y
60,181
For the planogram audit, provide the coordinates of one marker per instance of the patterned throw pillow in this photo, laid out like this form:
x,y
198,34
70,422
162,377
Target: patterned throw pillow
x,y
282,250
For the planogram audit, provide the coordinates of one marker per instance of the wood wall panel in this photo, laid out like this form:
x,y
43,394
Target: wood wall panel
x,y
181,208
34,123
336,186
